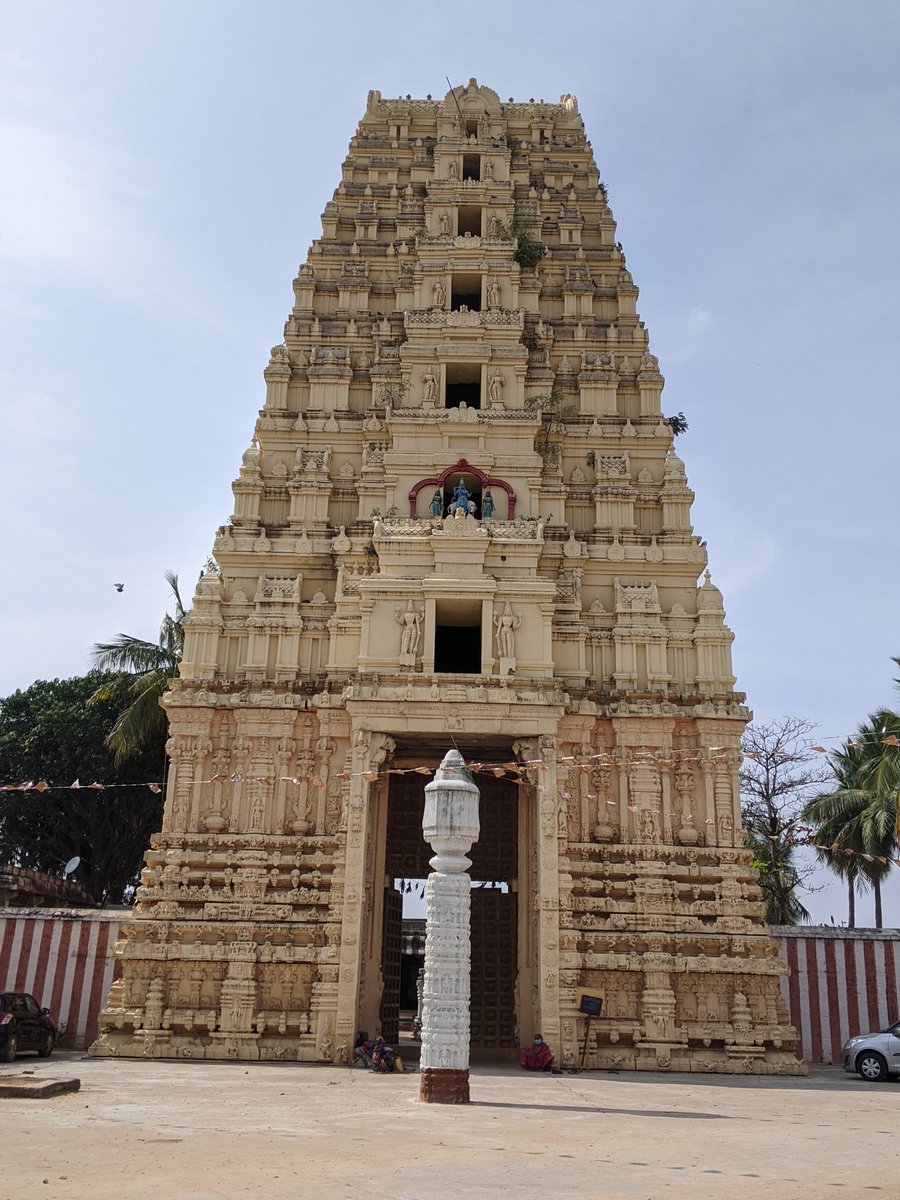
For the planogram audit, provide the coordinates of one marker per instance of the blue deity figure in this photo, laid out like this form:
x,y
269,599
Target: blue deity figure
x,y
437,503
487,504
460,498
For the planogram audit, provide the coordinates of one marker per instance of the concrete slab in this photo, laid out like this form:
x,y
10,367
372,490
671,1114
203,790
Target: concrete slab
x,y
24,1087
208,1131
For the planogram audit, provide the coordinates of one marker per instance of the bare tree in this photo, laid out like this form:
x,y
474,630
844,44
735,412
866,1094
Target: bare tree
x,y
780,774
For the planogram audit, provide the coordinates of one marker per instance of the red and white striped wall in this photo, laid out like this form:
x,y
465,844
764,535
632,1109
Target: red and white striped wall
x,y
63,957
842,982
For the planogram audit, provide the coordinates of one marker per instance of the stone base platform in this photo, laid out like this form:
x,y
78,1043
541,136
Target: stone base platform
x,y
31,1087
443,1086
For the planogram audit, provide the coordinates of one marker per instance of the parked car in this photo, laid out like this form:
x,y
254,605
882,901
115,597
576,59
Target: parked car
x,y
24,1025
874,1056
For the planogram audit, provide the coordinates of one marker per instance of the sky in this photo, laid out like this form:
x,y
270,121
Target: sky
x,y
163,168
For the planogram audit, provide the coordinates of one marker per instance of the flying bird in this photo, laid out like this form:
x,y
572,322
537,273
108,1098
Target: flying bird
x,y
120,587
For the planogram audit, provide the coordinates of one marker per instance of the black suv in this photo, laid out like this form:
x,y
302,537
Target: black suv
x,y
24,1025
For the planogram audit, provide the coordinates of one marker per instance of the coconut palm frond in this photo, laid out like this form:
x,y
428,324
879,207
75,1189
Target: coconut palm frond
x,y
144,669
143,718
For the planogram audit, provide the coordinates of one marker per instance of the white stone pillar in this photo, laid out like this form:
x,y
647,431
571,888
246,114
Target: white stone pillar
x,y
450,826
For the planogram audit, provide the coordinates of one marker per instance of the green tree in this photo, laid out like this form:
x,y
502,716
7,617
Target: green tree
x,y
777,777
855,821
141,673
554,413
49,734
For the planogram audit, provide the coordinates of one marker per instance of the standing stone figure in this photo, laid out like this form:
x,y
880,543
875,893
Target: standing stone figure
x,y
438,295
495,389
430,391
487,504
507,624
444,223
437,503
411,624
493,294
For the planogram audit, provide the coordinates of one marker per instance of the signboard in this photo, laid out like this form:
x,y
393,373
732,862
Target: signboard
x,y
589,1003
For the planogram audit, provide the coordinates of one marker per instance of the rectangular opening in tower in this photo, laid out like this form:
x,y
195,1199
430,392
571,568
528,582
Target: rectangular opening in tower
x,y
468,220
457,637
472,167
463,385
465,291
471,128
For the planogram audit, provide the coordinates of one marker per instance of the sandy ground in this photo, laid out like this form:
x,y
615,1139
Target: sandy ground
x,y
208,1131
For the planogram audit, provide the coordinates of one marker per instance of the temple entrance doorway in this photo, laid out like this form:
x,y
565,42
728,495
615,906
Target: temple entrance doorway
x,y
494,922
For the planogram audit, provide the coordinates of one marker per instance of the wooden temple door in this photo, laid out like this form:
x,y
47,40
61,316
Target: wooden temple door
x,y
492,1011
390,965
494,936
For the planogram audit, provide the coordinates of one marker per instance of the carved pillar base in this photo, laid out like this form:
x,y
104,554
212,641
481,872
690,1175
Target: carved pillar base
x,y
444,1086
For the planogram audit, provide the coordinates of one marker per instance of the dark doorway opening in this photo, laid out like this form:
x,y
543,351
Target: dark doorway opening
x,y
457,650
463,385
469,220
472,167
457,637
465,292
471,128
494,911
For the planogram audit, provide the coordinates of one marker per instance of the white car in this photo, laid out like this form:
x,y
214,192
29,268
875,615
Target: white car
x,y
874,1056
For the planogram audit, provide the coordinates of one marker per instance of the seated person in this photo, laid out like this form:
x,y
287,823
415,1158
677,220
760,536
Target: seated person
x,y
362,1049
383,1057
538,1056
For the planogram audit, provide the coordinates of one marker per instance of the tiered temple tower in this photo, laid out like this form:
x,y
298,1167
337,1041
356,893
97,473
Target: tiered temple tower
x,y
460,519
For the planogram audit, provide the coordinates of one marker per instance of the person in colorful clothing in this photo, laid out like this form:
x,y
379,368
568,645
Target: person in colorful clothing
x,y
538,1056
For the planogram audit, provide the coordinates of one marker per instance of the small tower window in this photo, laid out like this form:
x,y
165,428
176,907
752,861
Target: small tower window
x,y
469,220
457,637
463,385
471,129
465,292
472,167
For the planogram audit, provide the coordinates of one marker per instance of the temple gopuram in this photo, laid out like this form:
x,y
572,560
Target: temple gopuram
x,y
460,523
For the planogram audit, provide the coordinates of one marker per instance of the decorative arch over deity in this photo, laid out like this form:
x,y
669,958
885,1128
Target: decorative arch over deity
x,y
478,483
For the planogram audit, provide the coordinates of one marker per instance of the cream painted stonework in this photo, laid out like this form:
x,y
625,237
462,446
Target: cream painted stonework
x,y
554,613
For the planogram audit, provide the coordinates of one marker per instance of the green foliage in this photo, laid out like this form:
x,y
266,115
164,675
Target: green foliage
x,y
677,423
393,388
529,251
855,821
554,413
779,775
141,673
50,732
778,880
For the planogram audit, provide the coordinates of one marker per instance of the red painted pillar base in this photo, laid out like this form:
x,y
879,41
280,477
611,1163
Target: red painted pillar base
x,y
443,1086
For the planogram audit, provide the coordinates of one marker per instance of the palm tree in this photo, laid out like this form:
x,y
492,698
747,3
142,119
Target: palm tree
x,y
855,821
143,673
778,879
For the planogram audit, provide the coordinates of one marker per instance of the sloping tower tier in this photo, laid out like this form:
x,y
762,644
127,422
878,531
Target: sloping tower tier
x,y
460,521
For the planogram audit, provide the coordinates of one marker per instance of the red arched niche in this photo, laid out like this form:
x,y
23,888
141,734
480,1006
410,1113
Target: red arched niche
x,y
463,467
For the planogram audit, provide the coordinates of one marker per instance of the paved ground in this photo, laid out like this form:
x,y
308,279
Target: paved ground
x,y
208,1131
